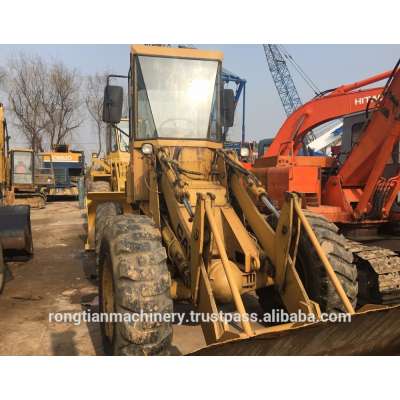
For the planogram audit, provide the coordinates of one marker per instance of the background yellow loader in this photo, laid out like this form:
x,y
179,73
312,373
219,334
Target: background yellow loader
x,y
109,173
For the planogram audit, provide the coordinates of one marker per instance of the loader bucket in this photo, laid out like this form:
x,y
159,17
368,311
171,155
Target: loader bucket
x,y
373,332
15,231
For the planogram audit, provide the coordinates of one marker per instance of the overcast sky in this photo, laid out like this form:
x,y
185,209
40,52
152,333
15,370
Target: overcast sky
x,y
327,65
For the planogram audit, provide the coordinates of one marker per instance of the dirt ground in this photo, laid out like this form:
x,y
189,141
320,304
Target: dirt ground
x,y
60,278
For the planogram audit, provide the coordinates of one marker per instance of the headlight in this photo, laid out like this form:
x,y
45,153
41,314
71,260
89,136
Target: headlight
x,y
244,152
147,149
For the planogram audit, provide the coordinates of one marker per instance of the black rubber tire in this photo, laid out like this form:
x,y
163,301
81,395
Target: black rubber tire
x,y
103,210
312,272
2,270
99,186
132,253
103,213
269,299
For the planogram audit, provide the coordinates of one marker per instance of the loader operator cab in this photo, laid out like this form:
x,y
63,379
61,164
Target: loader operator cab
x,y
173,95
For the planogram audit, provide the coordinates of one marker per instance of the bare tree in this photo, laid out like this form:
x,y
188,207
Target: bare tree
x,y
3,74
61,104
25,84
94,103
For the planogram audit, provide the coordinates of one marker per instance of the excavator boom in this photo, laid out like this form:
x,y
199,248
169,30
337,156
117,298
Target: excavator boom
x,y
342,101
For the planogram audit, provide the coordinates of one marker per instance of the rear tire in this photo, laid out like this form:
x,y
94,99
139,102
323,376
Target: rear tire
x,y
312,272
134,279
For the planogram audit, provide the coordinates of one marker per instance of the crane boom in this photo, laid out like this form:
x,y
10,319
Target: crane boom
x,y
282,79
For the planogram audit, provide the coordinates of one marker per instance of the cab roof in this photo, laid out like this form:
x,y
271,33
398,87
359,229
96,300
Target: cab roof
x,y
165,51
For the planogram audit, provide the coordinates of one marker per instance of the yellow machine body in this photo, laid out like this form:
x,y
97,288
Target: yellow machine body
x,y
220,246
113,167
15,224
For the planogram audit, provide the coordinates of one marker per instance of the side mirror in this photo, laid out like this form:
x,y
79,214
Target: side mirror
x,y
112,104
228,108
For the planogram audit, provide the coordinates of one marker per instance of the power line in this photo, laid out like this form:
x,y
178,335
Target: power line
x,y
300,71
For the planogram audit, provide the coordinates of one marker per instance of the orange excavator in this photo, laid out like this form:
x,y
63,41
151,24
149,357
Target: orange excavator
x,y
357,188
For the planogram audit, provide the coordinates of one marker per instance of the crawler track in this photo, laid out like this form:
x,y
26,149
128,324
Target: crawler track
x,y
378,274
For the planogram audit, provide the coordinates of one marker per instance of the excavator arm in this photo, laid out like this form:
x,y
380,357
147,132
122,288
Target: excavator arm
x,y
366,162
342,101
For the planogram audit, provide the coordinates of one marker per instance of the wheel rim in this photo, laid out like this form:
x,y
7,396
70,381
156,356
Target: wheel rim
x,y
108,304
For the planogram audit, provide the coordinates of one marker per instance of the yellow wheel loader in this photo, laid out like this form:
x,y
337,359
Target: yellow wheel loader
x,y
15,224
109,173
189,229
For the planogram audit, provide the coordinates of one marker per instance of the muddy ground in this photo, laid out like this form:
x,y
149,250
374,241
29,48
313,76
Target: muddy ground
x,y
60,278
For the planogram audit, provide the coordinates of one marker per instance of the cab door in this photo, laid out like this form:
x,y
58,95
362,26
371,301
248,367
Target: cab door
x,y
22,168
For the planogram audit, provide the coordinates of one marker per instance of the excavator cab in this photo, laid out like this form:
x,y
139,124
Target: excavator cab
x,y
26,181
353,126
22,169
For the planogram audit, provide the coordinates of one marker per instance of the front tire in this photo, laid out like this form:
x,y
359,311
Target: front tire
x,y
134,281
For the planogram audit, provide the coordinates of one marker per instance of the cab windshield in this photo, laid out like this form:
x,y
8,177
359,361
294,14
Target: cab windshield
x,y
177,98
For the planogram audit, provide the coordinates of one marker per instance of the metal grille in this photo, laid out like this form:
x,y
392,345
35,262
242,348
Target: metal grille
x,y
60,176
